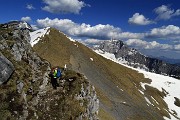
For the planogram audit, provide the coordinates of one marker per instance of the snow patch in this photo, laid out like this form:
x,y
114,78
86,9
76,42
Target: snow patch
x,y
124,102
162,83
169,84
24,25
122,60
107,55
37,35
155,100
71,39
91,59
76,45
147,100
141,91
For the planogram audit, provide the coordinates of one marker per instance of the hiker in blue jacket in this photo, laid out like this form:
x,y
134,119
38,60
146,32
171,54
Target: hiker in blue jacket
x,y
55,74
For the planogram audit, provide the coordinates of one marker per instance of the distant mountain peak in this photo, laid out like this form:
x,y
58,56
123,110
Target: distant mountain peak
x,y
134,58
17,25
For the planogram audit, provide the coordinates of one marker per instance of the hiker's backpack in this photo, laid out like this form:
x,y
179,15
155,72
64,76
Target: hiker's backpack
x,y
58,75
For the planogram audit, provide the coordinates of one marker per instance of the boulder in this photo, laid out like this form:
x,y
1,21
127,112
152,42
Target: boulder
x,y
6,69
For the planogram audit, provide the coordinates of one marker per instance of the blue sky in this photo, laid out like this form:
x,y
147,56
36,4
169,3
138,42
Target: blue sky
x,y
151,26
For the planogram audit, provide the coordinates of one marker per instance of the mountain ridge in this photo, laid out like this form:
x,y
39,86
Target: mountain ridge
x,y
119,87
26,90
132,57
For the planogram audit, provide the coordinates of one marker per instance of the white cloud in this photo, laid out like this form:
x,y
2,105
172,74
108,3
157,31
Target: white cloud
x,y
91,35
166,31
85,30
92,41
177,13
165,12
147,45
30,6
103,32
34,27
139,19
128,35
27,19
177,47
63,6
176,41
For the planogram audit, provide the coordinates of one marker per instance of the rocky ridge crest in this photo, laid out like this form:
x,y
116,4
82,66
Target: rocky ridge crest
x,y
26,91
132,57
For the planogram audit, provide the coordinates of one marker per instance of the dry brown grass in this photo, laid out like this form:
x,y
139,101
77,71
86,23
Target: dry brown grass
x,y
103,115
155,97
103,98
67,52
54,48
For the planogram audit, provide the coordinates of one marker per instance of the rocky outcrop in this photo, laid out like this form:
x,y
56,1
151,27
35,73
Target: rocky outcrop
x,y
28,94
6,68
30,71
17,25
89,94
132,57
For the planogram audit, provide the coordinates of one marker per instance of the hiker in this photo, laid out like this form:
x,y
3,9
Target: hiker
x,y
55,74
65,67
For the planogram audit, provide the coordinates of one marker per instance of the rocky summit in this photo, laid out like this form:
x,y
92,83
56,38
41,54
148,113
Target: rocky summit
x,y
26,91
132,57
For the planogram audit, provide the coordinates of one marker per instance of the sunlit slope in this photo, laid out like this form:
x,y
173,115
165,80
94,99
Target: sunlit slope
x,y
119,87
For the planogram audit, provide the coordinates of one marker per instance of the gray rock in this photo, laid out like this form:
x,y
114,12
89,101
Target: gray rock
x,y
17,25
135,59
3,43
32,70
20,86
16,53
89,94
6,69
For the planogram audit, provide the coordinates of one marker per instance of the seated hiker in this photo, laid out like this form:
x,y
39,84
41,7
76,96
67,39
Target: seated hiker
x,y
55,74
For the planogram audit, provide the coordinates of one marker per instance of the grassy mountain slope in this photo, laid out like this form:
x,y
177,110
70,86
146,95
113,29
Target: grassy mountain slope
x,y
28,92
117,86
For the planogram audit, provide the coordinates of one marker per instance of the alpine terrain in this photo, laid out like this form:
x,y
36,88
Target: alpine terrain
x,y
132,57
26,92
124,93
